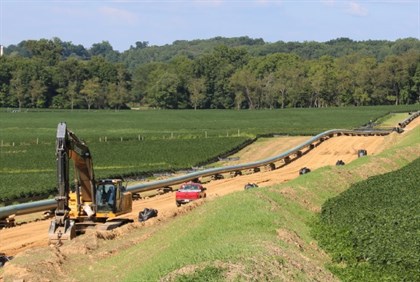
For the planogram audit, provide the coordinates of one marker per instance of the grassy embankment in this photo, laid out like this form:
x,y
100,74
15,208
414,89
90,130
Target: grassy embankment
x,y
391,120
260,234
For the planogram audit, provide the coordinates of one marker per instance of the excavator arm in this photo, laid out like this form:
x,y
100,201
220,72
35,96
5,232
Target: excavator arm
x,y
83,169
62,210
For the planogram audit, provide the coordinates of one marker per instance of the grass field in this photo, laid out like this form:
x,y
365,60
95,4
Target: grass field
x,y
391,120
28,126
130,143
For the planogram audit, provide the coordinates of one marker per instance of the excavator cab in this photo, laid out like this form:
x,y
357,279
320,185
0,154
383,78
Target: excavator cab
x,y
108,195
111,201
105,197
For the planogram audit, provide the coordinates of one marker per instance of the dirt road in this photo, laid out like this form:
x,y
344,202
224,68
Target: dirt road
x,y
20,238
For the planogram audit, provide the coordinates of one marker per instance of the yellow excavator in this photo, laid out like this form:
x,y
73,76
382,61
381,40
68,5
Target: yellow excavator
x,y
90,203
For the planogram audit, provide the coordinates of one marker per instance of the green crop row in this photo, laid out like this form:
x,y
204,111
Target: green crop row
x,y
373,228
33,127
30,170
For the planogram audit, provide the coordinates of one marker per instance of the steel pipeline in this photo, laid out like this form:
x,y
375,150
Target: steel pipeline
x,y
44,205
214,171
409,119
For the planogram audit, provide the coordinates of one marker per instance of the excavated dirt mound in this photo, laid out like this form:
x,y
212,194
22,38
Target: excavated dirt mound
x,y
21,239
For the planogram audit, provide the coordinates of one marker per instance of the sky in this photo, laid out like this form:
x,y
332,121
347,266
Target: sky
x,y
124,22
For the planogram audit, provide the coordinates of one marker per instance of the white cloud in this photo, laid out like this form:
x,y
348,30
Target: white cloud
x,y
263,2
357,9
208,2
328,2
268,2
118,15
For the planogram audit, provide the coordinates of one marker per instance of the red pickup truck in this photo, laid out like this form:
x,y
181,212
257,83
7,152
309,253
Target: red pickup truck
x,y
188,192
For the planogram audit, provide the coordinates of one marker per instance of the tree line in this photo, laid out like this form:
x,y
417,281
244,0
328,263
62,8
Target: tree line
x,y
220,73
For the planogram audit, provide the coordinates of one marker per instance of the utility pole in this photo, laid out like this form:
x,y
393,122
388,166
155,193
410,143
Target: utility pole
x,y
1,50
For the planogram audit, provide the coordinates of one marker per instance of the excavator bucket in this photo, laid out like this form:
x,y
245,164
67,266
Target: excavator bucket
x,y
58,233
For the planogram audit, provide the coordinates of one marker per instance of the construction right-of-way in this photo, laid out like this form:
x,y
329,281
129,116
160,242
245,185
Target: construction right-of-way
x,y
20,238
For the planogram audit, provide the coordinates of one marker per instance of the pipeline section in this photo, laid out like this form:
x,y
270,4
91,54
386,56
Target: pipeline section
x,y
262,163
285,157
26,208
409,119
